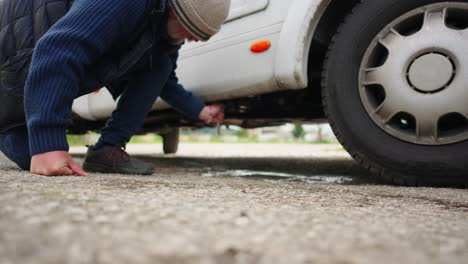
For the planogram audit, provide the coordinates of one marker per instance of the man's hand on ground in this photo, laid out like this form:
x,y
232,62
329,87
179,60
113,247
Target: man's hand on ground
x,y
55,163
212,114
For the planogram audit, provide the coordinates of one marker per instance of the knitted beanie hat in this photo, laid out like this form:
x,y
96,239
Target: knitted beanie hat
x,y
202,18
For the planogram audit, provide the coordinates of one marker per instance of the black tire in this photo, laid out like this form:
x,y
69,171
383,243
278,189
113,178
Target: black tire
x,y
393,160
171,141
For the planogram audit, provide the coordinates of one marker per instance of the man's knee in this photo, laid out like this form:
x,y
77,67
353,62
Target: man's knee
x,y
23,162
16,154
15,147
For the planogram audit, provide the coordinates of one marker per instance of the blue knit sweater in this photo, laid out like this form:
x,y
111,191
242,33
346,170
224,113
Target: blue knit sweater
x,y
84,34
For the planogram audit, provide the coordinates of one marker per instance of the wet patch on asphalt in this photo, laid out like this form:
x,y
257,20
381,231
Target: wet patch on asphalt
x,y
342,171
278,176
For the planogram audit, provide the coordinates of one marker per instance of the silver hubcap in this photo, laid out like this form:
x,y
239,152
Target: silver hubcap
x,y
414,76
431,73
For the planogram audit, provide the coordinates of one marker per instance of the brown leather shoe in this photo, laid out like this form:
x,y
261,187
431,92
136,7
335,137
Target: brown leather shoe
x,y
114,159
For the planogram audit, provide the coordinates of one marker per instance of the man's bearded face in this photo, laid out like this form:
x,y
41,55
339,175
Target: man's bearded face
x,y
177,32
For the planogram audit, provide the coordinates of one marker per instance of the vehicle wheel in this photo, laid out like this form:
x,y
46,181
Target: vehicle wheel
x,y
395,89
171,141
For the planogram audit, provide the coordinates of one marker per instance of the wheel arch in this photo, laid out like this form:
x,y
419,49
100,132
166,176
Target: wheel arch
x,y
307,31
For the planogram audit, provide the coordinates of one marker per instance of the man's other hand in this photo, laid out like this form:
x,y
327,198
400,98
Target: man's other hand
x,y
212,114
55,163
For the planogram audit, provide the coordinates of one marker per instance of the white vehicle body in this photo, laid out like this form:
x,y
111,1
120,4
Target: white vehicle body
x,y
225,68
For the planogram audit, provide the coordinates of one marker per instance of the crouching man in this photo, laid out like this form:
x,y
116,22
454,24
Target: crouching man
x,y
53,51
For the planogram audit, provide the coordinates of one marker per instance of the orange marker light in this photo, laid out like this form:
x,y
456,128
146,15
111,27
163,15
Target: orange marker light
x,y
260,46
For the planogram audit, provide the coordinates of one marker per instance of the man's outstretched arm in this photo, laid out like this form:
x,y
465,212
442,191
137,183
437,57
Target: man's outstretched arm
x,y
185,102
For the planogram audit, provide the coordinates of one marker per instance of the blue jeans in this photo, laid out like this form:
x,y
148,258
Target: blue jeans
x,y
133,106
15,146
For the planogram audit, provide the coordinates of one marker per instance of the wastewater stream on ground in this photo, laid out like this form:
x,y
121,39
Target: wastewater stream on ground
x,y
278,176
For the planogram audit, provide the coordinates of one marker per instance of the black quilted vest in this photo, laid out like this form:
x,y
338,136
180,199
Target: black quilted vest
x,y
26,21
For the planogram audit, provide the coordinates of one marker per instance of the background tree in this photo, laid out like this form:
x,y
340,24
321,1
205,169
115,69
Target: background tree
x,y
298,131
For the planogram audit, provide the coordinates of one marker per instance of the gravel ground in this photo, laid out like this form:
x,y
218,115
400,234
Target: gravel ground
x,y
230,203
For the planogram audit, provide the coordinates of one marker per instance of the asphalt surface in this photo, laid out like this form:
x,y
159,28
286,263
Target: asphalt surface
x,y
230,203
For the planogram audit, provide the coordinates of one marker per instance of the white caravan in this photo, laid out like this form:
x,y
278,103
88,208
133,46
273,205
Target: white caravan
x,y
390,76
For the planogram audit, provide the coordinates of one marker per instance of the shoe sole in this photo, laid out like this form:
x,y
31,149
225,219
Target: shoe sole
x,y
102,168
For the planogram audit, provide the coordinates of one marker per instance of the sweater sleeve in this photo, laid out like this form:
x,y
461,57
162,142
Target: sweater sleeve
x,y
182,100
85,33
